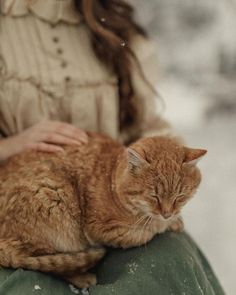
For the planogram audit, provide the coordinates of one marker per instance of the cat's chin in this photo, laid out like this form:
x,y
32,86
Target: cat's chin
x,y
159,217
160,224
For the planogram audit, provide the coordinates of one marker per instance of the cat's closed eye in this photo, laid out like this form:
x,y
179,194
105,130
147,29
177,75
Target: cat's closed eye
x,y
153,194
181,198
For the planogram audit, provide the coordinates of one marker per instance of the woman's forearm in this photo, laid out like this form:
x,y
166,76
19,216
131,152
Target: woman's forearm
x,y
7,148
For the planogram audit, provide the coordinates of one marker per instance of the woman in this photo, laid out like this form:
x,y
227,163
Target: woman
x,y
58,65
70,66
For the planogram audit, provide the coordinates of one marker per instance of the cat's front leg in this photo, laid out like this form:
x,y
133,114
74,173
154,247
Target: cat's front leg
x,y
177,225
125,237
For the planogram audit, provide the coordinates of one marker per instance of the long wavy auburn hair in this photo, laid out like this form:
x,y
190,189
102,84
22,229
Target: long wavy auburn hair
x,y
112,27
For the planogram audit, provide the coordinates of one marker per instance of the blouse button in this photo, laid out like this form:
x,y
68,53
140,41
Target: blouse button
x,y
64,64
67,79
55,39
2,67
59,51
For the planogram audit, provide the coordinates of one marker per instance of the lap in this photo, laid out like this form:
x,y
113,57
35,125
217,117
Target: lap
x,y
169,264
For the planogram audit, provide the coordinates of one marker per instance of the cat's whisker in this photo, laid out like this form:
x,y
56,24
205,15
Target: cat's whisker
x,y
136,224
143,228
139,221
146,225
141,231
149,221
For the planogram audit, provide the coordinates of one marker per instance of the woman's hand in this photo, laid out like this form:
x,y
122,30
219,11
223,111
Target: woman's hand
x,y
46,136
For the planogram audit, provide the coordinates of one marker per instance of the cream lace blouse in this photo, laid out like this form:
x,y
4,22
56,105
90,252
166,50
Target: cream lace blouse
x,y
48,70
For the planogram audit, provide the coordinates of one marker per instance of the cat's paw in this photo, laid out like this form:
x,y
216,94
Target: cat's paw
x,y
177,225
83,280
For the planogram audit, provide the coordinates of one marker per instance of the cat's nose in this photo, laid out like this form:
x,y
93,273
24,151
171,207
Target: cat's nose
x,y
166,214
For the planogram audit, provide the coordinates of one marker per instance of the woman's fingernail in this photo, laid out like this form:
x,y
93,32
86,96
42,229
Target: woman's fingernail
x,y
85,137
61,150
84,140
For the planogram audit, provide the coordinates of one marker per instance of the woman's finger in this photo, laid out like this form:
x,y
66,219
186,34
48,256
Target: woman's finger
x,y
44,147
57,138
71,132
60,128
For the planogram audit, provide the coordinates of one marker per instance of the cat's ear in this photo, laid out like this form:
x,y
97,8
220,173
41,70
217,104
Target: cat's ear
x,y
192,156
135,161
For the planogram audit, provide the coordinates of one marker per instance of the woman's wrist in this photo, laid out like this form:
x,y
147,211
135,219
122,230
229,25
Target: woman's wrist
x,y
8,148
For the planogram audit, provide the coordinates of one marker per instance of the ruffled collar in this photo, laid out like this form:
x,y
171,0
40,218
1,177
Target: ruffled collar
x,y
52,11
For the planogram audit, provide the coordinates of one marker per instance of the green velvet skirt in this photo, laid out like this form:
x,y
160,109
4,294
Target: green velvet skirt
x,y
171,264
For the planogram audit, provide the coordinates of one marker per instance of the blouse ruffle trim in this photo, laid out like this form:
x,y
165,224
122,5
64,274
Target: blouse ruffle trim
x,y
52,11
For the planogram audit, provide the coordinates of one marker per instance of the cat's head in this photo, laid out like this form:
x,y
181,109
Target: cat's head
x,y
158,176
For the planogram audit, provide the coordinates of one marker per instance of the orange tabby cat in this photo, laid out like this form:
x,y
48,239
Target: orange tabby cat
x,y
57,211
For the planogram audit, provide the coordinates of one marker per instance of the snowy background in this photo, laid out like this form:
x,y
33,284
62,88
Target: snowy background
x,y
197,56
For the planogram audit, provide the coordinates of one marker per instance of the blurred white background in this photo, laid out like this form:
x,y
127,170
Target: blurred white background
x,y
196,43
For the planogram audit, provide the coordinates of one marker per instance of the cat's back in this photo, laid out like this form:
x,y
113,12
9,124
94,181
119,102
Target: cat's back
x,y
27,166
34,169
41,186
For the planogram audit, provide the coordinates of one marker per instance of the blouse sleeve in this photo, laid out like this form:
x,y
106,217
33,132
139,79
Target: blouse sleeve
x,y
153,123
